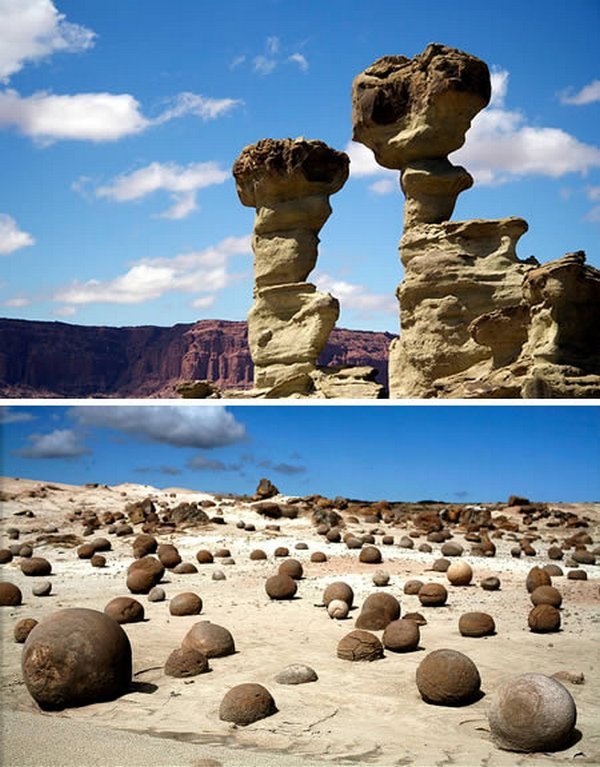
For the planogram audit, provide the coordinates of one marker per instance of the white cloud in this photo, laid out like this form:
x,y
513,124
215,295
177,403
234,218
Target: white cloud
x,y
17,301
589,94
177,425
499,83
363,162
181,181
204,271
266,63
14,415
273,45
64,311
33,30
203,302
593,193
298,58
384,186
60,443
46,117
237,62
263,65
356,297
11,237
593,215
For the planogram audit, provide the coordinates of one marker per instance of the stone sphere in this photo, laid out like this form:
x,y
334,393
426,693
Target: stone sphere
x,y
204,557
101,544
23,628
148,564
184,663
125,610
222,553
281,551
10,595
413,586
168,555
144,544
433,595
554,571
74,657
281,587
401,636
359,645
377,611
35,566
41,589
546,595
219,575
257,554
577,575
86,551
459,573
543,619
186,603
476,624
441,565
419,619
156,594
247,703
185,568
490,584
296,673
451,549
537,577
26,551
555,552
5,556
209,638
448,678
291,567
532,712
337,609
98,560
381,578
370,555
338,590
318,556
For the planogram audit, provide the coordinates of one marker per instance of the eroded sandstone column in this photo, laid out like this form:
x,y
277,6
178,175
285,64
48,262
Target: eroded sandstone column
x,y
289,183
413,113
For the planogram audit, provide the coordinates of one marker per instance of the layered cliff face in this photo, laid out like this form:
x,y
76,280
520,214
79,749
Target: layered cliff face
x,y
55,359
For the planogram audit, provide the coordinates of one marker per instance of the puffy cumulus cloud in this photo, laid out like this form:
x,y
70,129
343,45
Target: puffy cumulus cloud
x,y
175,425
589,94
60,443
46,117
204,271
14,415
181,181
32,30
356,297
201,462
363,162
11,237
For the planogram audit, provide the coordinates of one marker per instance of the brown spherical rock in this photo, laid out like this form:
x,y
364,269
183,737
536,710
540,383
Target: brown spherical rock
x,y
10,595
291,567
419,619
532,713
26,551
257,554
74,657
401,636
247,703
577,575
537,577
459,573
318,556
413,586
554,571
555,552
204,557
144,544
370,555
185,568
98,560
186,603
5,556
448,678
23,628
476,624
546,595
281,587
125,610
35,566
377,611
359,645
543,619
441,565
281,551
433,595
86,551
184,663
490,584
209,638
143,574
338,590
168,555
222,553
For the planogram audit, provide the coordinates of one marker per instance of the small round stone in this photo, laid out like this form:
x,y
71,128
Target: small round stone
x,y
490,584
419,619
451,549
185,663
219,575
41,589
5,556
35,566
296,673
459,573
157,594
186,603
23,628
381,578
337,609
359,646
125,610
257,554
544,619
204,557
281,551
577,575
247,703
476,624
291,567
441,565
185,568
209,638
448,678
401,635
98,560
377,611
318,556
537,577
10,595
338,590
554,571
433,595
413,586
370,555
281,587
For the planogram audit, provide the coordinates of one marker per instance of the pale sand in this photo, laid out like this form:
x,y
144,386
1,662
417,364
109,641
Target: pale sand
x,y
355,713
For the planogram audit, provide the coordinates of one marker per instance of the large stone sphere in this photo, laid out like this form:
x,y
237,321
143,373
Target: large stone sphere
x,y
537,577
247,703
476,624
125,610
401,636
10,595
459,573
377,611
204,557
338,590
168,555
359,645
532,712
291,567
74,657
433,595
209,638
546,595
448,678
544,619
281,587
370,555
35,566
184,663
186,603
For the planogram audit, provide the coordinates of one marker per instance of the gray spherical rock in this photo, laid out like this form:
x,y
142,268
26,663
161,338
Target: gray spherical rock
x,y
23,628
184,663
209,638
185,568
492,583
219,575
74,657
530,713
451,549
125,610
338,609
381,578
157,594
401,636
296,673
41,589
338,590
448,678
10,595
247,703
359,646
413,586
441,565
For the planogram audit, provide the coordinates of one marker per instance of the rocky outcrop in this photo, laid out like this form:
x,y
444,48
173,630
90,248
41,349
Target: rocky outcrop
x,y
289,183
56,359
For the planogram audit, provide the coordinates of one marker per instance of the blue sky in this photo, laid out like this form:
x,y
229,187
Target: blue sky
x,y
119,123
460,454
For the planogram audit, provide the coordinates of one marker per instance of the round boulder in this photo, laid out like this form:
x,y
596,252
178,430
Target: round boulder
x,y
413,586
98,560
381,578
204,557
5,556
448,678
10,595
36,566
184,663
125,610
41,589
74,657
257,554
185,568
337,609
401,636
23,628
476,624
537,577
370,555
577,575
156,594
492,583
296,673
281,551
247,703
209,638
544,619
441,565
168,555
291,567
377,611
360,645
186,603
433,595
459,573
338,590
546,595
318,556
281,587
451,549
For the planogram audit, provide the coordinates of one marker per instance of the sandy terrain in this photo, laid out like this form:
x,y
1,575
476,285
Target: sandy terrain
x,y
356,713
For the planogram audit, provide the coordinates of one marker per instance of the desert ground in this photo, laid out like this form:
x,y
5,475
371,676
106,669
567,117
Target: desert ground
x,y
356,712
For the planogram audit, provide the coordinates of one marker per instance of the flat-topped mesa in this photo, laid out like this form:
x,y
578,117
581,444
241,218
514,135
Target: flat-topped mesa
x,y
413,113
289,182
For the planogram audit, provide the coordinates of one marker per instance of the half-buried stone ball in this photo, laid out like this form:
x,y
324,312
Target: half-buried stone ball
x,y
281,587
74,657
125,610
377,611
35,566
337,609
23,628
401,636
144,544
451,549
187,603
296,673
184,663
476,624
247,703
209,638
441,565
293,568
359,646
448,678
86,551
318,556
257,554
41,589
156,594
492,583
433,595
459,573
185,568
204,557
546,595
381,578
338,590
530,713
10,595
370,555
544,619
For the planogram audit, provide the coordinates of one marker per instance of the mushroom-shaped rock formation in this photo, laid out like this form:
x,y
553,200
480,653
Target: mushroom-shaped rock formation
x,y
288,182
476,624
209,638
532,712
183,663
377,611
186,603
448,678
10,595
281,586
338,590
247,703
296,673
74,657
125,610
359,645
401,636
